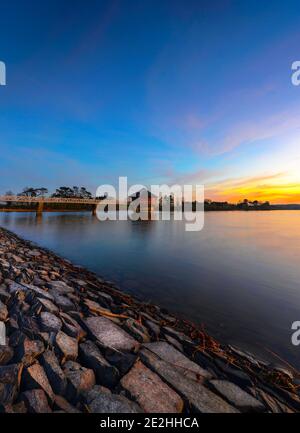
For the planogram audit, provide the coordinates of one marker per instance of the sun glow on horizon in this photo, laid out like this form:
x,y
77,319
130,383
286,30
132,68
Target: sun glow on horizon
x,y
277,189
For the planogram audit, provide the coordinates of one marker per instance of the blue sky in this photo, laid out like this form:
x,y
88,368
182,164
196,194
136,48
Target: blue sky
x,y
159,91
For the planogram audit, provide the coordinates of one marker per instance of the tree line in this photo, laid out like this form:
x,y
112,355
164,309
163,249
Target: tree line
x,y
61,192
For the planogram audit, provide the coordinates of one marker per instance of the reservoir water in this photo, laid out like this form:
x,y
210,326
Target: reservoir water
x,y
239,276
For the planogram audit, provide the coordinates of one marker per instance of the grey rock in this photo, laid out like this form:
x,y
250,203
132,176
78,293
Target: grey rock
x,y
71,327
80,379
109,403
6,354
28,350
50,322
15,287
199,397
63,405
41,293
63,302
48,305
110,335
137,330
67,346
60,286
91,357
36,401
123,361
174,342
4,295
34,377
171,355
3,311
152,394
56,376
235,375
153,328
236,396
9,382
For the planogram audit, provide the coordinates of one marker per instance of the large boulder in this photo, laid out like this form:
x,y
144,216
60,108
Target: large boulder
x,y
80,379
237,397
110,335
67,346
152,394
36,401
197,395
54,372
60,286
34,377
3,311
104,402
9,382
29,350
49,322
91,357
6,354
168,353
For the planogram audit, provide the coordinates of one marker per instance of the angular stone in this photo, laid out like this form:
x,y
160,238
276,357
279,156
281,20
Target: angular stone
x,y
29,326
50,322
33,253
153,327
3,311
41,293
237,397
63,405
174,342
4,295
29,350
80,379
9,382
67,346
104,402
171,355
176,334
105,296
14,408
235,375
3,332
6,354
94,307
152,394
48,305
72,327
123,361
15,287
34,377
137,330
110,335
60,286
200,398
91,357
36,401
16,338
54,372
63,302
273,404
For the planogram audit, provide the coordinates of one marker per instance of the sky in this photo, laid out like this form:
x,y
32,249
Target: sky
x,y
161,91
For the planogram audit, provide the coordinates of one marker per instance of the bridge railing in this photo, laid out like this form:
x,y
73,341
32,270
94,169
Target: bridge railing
x,y
25,199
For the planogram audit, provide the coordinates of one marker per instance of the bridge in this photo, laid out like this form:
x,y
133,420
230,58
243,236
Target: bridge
x,y
42,200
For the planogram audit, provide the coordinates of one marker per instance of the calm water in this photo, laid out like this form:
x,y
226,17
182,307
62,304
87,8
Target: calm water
x,y
240,276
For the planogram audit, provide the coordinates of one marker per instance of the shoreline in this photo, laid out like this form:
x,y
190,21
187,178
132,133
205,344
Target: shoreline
x,y
77,343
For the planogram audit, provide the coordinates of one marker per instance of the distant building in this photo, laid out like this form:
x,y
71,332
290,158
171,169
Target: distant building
x,y
148,201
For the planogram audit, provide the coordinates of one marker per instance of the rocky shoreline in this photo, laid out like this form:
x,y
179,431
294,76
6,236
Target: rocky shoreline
x,y
75,343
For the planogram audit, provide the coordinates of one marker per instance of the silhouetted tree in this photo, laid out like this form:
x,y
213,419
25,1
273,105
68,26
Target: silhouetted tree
x,y
75,192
